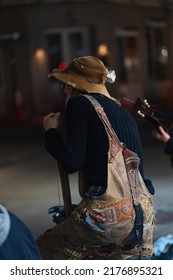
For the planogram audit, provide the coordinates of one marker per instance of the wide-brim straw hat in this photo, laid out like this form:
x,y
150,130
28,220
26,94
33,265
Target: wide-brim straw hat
x,y
87,74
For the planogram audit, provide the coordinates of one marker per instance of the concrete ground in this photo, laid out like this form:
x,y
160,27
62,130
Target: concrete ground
x,y
29,181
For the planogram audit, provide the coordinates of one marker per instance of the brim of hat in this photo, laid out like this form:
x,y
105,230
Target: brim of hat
x,y
77,81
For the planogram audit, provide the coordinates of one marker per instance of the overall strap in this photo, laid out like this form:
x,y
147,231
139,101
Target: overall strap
x,y
114,143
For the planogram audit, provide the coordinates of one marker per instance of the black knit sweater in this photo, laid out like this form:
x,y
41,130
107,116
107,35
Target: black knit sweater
x,y
169,146
169,149
86,144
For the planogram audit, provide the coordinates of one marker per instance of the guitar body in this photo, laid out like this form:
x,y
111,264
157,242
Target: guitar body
x,y
62,212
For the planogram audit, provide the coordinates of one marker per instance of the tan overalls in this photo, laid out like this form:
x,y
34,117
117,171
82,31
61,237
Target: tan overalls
x,y
103,227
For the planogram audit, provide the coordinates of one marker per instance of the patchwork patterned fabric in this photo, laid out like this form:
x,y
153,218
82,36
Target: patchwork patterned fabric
x,y
108,214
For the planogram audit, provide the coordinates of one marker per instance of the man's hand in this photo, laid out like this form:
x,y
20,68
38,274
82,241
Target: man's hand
x,y
161,135
51,121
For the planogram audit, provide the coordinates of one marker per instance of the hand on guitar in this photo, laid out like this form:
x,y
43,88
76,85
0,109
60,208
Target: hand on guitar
x,y
161,134
52,120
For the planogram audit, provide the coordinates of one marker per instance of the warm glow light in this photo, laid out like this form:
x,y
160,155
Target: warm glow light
x,y
128,62
103,50
40,54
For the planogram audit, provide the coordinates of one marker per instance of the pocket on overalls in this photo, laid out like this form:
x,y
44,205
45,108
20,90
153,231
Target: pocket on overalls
x,y
114,219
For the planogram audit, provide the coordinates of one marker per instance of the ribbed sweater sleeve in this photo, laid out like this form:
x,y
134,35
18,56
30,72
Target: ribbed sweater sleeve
x,y
71,151
169,146
169,149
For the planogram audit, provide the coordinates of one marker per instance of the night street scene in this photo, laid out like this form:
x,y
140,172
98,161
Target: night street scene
x,y
134,38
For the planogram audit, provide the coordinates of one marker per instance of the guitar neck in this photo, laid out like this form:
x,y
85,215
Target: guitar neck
x,y
65,190
142,108
155,122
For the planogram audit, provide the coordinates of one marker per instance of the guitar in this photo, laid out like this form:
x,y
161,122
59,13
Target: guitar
x,y
147,111
62,212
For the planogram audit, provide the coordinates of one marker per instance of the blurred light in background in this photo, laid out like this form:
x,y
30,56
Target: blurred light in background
x,y
164,51
62,65
40,55
163,58
103,50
